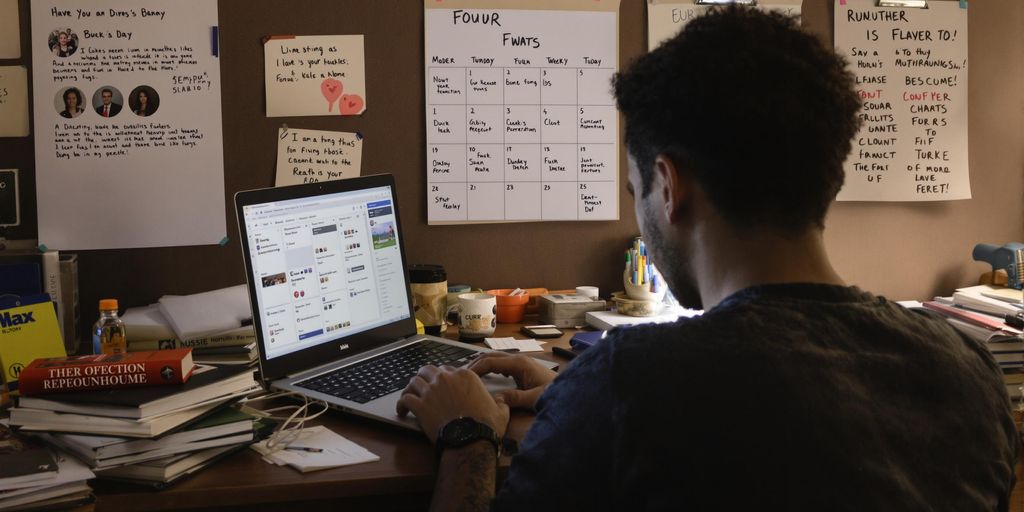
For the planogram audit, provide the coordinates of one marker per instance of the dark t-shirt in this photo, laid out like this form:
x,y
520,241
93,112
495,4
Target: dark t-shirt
x,y
782,397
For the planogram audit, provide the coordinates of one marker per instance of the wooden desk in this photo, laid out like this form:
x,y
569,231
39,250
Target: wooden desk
x,y
402,480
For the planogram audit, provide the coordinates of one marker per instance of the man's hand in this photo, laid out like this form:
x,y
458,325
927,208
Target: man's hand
x,y
531,377
439,395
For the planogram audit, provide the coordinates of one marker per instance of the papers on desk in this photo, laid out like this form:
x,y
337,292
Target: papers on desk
x,y
528,345
337,451
207,313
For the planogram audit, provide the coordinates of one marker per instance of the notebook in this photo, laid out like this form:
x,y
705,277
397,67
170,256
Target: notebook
x,y
329,291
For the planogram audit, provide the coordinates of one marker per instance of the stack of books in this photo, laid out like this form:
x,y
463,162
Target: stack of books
x,y
981,312
34,477
155,434
147,328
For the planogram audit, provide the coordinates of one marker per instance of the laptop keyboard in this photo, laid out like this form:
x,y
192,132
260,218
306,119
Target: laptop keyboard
x,y
387,373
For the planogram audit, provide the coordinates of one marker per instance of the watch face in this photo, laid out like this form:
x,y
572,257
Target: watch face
x,y
460,431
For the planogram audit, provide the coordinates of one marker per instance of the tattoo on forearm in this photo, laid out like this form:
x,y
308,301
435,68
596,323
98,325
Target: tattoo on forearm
x,y
466,477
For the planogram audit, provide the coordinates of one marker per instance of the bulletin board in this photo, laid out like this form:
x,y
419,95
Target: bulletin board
x,y
900,250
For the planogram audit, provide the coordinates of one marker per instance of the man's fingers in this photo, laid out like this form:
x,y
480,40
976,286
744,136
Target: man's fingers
x,y
509,366
517,398
428,372
407,403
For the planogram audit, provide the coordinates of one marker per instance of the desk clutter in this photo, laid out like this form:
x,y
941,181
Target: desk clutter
x,y
994,316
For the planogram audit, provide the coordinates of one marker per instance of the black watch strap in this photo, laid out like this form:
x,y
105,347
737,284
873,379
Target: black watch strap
x,y
464,431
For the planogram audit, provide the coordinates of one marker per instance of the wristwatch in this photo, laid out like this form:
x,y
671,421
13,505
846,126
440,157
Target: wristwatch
x,y
463,431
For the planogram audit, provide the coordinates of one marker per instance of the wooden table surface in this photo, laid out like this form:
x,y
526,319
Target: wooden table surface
x,y
401,480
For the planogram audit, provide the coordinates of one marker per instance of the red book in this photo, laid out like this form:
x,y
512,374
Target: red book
x,y
105,371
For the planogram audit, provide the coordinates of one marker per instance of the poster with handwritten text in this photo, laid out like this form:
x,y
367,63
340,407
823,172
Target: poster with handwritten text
x,y
311,156
314,75
665,18
128,141
521,122
911,71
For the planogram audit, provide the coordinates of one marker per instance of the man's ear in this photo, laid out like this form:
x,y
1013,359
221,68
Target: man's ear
x,y
674,188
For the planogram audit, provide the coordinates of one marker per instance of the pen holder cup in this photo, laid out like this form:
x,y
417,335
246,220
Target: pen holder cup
x,y
643,291
511,308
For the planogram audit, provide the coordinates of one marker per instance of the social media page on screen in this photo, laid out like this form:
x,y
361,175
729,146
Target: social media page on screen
x,y
325,267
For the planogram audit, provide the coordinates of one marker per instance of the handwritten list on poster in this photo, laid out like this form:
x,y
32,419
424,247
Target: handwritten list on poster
x,y
128,143
13,101
911,71
314,75
665,18
311,156
521,123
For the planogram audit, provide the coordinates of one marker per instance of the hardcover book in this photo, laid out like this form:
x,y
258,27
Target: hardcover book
x,y
106,371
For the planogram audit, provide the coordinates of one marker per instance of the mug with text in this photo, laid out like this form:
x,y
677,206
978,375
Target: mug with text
x,y
477,314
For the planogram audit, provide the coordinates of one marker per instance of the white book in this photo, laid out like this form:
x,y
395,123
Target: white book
x,y
42,420
203,314
972,298
95,448
607,320
166,468
159,453
146,323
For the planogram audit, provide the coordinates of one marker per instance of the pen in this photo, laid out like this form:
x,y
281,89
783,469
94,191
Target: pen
x,y
304,449
509,350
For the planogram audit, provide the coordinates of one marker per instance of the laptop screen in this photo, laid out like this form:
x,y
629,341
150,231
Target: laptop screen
x,y
325,267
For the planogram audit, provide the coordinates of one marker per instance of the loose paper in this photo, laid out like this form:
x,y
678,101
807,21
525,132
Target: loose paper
x,y
529,345
315,75
145,168
665,18
301,453
521,122
310,156
13,101
10,30
911,69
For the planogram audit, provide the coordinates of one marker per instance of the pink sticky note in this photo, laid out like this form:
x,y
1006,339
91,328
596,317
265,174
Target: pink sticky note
x,y
331,89
351,105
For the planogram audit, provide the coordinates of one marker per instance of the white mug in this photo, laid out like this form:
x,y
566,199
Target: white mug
x,y
477,314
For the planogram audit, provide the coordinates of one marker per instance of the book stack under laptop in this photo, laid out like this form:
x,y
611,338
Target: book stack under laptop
x,y
34,477
153,435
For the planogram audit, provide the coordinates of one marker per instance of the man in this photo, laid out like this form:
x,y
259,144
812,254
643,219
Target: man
x,y
793,391
108,108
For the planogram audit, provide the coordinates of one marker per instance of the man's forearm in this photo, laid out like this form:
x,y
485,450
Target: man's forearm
x,y
466,478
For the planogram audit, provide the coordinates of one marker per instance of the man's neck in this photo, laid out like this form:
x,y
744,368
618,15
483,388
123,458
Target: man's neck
x,y
726,262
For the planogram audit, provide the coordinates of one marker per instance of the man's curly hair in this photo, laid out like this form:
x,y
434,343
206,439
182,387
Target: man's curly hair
x,y
760,112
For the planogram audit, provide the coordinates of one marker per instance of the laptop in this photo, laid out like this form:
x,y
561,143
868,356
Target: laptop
x,y
329,290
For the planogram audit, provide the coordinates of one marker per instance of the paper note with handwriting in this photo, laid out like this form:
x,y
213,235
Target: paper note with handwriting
x,y
665,18
13,101
10,30
911,72
310,156
521,122
314,75
128,138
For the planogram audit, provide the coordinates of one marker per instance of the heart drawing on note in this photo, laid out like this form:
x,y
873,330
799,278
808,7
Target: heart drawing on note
x,y
351,105
331,89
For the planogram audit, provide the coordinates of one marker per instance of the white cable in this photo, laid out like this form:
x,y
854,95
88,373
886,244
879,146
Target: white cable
x,y
292,426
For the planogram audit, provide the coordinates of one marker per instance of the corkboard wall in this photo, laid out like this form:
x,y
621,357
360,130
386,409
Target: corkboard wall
x,y
901,250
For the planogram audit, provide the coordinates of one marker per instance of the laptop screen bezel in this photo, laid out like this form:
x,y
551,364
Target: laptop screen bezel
x,y
340,348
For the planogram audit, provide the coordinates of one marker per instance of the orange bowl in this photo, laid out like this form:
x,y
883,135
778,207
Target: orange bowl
x,y
511,308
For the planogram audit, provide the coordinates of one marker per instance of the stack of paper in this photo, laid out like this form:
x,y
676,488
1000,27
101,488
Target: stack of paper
x,y
203,314
979,298
67,488
528,345
316,448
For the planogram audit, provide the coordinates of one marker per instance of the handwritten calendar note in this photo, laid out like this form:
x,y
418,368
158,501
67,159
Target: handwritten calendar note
x,y
665,18
911,69
521,121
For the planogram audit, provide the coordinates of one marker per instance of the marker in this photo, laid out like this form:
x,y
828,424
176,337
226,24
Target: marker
x,y
215,40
